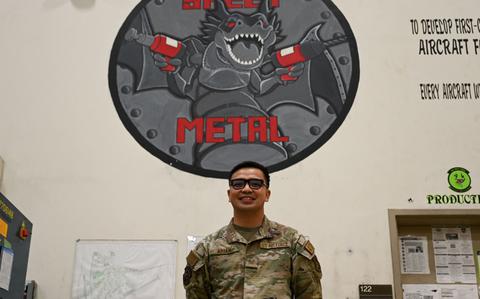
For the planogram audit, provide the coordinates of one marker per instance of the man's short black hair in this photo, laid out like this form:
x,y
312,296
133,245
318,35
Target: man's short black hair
x,y
251,164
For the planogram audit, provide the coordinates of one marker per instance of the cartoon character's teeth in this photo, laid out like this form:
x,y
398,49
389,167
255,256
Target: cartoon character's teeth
x,y
246,35
239,61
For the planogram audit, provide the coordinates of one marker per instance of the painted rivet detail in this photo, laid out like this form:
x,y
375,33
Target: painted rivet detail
x,y
135,112
315,130
126,89
152,133
174,150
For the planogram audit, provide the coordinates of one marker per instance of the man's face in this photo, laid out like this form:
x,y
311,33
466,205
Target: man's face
x,y
248,199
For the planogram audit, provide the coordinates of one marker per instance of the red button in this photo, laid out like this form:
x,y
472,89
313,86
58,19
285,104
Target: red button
x,y
24,233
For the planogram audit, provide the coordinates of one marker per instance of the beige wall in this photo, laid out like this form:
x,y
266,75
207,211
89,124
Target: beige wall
x,y
74,170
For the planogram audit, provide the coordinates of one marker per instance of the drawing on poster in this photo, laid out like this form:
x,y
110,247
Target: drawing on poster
x,y
124,269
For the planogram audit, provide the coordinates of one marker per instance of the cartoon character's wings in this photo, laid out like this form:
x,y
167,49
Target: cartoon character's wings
x,y
321,78
139,59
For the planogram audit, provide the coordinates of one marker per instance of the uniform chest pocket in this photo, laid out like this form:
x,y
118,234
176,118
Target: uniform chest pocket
x,y
223,259
222,250
276,255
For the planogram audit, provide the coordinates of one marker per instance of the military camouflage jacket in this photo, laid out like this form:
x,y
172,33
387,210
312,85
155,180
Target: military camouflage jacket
x,y
277,263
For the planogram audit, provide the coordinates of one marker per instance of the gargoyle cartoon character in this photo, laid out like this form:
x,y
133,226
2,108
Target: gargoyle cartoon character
x,y
226,58
239,84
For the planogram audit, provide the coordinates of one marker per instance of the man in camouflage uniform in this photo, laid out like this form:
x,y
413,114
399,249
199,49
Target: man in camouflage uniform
x,y
252,257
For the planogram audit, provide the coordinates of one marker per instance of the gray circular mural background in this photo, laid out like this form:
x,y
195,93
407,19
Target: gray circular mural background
x,y
206,84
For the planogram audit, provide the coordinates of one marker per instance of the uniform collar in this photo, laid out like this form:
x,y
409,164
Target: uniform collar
x,y
266,231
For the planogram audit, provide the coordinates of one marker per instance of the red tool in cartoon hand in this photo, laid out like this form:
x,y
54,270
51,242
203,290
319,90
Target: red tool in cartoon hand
x,y
309,48
170,48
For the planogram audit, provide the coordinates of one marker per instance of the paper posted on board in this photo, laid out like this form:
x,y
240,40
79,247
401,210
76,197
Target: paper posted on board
x,y
6,268
478,269
414,255
454,259
437,291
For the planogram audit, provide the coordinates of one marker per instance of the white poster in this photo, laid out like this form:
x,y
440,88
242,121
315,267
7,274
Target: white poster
x,y
124,269
438,291
414,255
454,260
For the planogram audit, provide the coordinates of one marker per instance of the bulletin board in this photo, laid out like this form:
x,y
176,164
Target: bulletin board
x,y
420,223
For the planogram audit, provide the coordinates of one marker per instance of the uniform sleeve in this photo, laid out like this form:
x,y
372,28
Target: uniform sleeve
x,y
306,271
195,277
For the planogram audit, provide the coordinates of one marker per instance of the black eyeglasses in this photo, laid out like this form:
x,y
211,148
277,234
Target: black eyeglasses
x,y
254,184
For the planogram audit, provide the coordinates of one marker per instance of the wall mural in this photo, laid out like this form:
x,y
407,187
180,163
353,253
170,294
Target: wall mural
x,y
204,84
